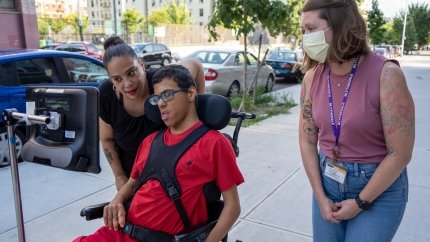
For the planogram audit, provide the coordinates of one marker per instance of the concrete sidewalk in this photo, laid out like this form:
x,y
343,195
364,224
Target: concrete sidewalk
x,y
276,197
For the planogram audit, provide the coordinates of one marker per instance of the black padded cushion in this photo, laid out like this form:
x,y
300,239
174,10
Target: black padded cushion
x,y
213,110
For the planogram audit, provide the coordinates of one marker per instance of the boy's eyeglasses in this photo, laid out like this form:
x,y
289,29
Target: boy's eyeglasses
x,y
166,96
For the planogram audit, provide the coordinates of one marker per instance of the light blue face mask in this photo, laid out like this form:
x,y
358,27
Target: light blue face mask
x,y
315,45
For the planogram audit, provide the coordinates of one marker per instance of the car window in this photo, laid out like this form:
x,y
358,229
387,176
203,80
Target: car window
x,y
157,47
92,47
8,74
36,71
216,57
252,60
81,70
137,48
162,47
148,48
239,60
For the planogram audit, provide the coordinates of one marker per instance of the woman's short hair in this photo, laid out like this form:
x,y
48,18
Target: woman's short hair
x,y
348,27
115,47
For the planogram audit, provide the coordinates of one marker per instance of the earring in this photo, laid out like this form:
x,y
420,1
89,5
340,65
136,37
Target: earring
x,y
113,87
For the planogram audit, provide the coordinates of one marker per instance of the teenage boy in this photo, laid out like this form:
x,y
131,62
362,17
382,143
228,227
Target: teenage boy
x,y
210,158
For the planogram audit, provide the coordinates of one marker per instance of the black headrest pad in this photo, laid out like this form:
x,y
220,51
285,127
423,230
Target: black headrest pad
x,y
213,110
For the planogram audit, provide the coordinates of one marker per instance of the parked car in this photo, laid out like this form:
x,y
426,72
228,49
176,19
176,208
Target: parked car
x,y
286,64
50,46
85,48
382,51
224,71
21,68
153,53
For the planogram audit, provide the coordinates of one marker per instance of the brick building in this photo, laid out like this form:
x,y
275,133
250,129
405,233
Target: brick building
x,y
18,24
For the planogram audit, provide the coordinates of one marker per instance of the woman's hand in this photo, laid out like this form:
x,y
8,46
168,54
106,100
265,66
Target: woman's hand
x,y
347,209
327,210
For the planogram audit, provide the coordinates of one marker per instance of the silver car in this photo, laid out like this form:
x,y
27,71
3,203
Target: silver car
x,y
224,71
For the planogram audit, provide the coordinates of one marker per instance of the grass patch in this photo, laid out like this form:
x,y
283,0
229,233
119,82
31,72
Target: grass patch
x,y
265,106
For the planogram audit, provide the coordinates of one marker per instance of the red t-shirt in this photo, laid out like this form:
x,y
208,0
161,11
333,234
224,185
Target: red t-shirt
x,y
210,158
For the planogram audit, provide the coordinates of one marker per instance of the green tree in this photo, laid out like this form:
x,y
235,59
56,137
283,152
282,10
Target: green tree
x,y
57,25
294,7
420,13
132,20
158,17
411,34
241,16
43,26
375,23
390,36
177,13
72,20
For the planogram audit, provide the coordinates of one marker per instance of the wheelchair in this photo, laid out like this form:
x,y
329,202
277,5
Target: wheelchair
x,y
215,112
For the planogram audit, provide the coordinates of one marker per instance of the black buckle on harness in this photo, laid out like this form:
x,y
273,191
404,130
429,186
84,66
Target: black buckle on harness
x,y
173,192
128,229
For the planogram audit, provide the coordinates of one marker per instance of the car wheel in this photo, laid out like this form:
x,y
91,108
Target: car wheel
x,y
4,146
234,89
269,83
165,61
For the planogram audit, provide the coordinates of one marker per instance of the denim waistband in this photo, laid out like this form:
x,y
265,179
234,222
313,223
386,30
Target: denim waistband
x,y
352,167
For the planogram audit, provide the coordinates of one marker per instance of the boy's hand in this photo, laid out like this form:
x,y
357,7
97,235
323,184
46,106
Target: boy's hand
x,y
114,215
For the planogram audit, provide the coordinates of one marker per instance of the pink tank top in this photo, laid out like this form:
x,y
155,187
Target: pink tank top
x,y
361,137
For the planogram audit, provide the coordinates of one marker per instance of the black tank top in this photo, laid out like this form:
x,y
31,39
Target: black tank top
x,y
128,131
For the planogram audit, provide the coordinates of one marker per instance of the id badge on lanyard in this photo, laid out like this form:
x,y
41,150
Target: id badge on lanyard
x,y
335,171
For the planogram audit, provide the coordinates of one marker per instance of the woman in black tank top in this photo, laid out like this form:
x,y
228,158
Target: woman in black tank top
x,y
123,124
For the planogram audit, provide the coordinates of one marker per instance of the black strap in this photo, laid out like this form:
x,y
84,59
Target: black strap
x,y
143,234
161,165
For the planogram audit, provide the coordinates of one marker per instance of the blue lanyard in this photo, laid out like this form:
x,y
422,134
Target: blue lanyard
x,y
336,128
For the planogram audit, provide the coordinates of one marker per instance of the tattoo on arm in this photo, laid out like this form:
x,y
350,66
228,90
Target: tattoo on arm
x,y
108,156
309,126
397,109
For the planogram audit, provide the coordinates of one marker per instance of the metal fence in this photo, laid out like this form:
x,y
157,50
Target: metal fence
x,y
171,35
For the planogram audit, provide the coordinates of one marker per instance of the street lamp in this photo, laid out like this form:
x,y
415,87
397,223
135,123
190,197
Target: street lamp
x,y
404,29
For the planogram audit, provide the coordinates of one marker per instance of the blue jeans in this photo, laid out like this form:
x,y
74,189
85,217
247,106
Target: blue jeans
x,y
378,224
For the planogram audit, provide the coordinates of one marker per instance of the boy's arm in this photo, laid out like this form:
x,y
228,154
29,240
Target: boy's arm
x,y
229,215
114,214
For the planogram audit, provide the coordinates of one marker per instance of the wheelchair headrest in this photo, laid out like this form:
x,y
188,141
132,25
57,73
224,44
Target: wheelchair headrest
x,y
213,110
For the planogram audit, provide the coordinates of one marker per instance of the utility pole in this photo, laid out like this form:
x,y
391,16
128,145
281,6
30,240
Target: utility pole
x,y
79,22
404,29
114,18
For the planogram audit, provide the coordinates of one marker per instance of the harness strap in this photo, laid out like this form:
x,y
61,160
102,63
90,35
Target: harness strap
x,y
161,165
143,234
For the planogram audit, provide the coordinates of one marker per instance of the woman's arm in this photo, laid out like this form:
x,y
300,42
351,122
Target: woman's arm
x,y
229,215
196,69
308,139
398,120
111,153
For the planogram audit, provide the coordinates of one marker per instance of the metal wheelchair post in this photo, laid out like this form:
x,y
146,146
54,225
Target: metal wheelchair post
x,y
10,116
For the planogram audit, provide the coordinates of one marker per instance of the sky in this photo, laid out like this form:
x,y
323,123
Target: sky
x,y
391,7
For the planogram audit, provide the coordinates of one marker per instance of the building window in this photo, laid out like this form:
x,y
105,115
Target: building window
x,y
201,12
7,4
92,14
191,1
201,1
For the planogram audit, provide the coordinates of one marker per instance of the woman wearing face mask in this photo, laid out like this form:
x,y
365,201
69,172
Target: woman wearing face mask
x,y
123,124
356,128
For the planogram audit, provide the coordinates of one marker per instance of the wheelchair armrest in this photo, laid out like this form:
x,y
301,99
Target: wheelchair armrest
x,y
198,234
94,211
